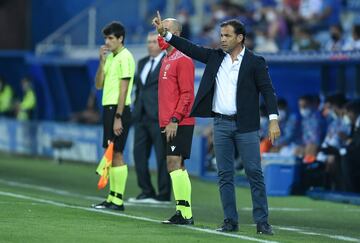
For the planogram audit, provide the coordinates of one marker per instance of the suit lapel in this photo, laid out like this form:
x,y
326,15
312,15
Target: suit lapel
x,y
243,67
155,71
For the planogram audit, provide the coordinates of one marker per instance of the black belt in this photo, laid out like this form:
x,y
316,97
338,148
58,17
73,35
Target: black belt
x,y
226,117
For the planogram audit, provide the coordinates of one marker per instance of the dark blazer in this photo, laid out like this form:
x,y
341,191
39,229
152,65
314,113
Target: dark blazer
x,y
253,79
146,102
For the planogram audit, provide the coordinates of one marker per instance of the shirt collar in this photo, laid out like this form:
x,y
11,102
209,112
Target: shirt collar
x,y
158,57
172,52
239,56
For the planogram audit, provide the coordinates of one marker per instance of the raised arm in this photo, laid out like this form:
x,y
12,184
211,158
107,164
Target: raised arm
x,y
197,52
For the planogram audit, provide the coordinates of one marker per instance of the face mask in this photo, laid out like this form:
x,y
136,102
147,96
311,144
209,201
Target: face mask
x,y
219,14
260,40
270,16
304,42
181,18
305,112
162,43
282,115
346,120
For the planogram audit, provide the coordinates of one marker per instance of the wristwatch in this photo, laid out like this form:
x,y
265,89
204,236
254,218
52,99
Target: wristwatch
x,y
174,119
117,115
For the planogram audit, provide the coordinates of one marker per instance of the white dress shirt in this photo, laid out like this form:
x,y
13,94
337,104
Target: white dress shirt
x,y
147,66
224,101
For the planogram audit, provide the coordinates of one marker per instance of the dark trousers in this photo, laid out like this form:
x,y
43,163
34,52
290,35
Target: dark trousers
x,y
148,134
226,138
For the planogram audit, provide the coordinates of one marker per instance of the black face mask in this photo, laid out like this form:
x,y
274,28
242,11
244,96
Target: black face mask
x,y
335,37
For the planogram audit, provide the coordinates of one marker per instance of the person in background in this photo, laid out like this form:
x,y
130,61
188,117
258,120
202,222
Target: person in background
x,y
350,153
354,44
26,107
289,126
91,115
6,97
147,129
337,41
335,138
303,39
311,128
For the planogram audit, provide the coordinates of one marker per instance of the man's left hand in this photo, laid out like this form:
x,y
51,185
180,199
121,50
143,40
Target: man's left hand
x,y
170,131
118,127
274,130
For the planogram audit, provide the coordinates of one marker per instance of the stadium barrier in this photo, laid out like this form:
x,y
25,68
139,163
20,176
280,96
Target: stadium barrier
x,y
76,142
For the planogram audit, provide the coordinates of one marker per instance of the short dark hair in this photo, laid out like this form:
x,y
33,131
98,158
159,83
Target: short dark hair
x,y
114,28
353,106
282,103
238,26
337,99
356,30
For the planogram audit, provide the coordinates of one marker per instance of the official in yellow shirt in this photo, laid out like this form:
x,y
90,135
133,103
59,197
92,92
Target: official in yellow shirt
x,y
115,76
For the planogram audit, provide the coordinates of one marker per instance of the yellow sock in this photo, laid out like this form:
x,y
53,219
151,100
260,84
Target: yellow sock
x,y
111,181
119,175
187,186
178,185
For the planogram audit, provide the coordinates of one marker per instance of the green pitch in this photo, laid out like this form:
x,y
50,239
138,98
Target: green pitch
x,y
41,201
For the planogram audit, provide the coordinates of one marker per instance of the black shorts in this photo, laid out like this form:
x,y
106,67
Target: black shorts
x,y
181,144
108,123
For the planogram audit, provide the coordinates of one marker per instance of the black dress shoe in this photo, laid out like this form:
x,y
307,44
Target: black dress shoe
x,y
101,205
228,226
116,207
179,219
264,228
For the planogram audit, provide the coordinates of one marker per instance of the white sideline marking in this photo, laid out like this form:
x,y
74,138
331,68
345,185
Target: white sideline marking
x,y
62,192
336,237
59,204
283,209
67,193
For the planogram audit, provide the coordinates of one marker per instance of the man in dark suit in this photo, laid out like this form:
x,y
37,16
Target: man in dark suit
x,y
229,91
147,130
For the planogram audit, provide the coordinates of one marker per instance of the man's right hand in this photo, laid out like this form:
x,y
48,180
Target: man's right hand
x,y
158,24
102,53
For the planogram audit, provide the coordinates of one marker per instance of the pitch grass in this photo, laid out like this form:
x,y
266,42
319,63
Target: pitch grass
x,y
23,220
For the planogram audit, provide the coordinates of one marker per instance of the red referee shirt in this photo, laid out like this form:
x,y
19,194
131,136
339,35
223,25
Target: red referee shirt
x,y
176,88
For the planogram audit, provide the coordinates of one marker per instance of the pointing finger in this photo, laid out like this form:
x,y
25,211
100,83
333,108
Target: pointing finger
x,y
158,15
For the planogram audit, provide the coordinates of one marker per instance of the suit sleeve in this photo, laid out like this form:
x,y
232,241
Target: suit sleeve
x,y
197,52
264,84
186,74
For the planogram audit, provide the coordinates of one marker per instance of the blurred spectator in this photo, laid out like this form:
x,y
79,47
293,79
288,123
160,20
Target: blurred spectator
x,y
264,43
26,107
185,8
351,152
354,44
208,133
311,124
336,135
303,40
6,96
265,144
289,126
337,41
91,115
